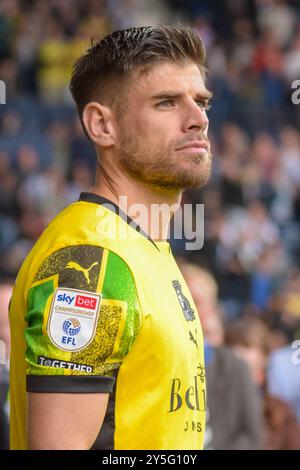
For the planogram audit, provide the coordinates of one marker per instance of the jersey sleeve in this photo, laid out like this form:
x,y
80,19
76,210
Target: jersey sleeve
x,y
82,318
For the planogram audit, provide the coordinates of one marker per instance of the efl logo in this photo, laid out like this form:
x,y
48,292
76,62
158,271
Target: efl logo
x,y
78,334
86,302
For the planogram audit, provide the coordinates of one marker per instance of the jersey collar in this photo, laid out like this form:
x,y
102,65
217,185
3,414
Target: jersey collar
x,y
97,199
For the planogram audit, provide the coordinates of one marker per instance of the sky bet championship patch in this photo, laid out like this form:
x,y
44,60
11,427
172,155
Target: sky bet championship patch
x,y
73,318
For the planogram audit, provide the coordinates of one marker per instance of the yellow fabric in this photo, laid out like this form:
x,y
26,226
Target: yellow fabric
x,y
160,388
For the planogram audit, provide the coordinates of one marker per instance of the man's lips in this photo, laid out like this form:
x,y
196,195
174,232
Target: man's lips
x,y
194,146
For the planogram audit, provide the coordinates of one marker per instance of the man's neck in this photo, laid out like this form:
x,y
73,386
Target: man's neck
x,y
150,207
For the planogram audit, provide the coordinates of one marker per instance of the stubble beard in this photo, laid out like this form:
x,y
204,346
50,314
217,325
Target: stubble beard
x,y
166,170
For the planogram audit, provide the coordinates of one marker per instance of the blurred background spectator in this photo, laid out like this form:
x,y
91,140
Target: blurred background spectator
x,y
252,202
5,294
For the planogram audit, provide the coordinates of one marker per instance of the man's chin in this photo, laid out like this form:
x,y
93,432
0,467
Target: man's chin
x,y
196,176
183,181
192,171
194,182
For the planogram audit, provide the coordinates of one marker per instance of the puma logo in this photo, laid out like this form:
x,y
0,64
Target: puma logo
x,y
85,271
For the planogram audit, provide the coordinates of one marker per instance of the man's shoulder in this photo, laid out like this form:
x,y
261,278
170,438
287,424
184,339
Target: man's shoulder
x,y
81,235
97,223
77,219
71,236
78,223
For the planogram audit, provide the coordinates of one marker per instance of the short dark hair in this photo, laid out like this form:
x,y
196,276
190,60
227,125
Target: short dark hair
x,y
111,61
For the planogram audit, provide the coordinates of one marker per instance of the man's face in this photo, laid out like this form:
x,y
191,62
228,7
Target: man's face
x,y
162,136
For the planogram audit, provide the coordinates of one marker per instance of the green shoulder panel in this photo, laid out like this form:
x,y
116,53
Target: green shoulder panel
x,y
120,319
81,267
123,287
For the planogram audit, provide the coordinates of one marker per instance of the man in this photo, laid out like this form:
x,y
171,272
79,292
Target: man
x,y
102,303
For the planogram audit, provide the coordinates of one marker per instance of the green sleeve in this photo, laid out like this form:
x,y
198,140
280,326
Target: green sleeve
x,y
83,317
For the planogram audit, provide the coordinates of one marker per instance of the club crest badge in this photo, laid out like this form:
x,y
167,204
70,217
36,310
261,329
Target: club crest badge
x,y
188,312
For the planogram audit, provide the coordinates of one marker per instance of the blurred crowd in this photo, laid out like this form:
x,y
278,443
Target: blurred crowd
x,y
246,278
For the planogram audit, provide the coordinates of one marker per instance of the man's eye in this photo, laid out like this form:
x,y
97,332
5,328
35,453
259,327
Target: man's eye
x,y
166,103
204,105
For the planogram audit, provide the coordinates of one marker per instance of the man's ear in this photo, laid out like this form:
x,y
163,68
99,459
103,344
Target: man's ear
x,y
99,124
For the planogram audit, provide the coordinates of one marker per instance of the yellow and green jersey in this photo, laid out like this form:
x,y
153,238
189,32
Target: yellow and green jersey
x,y
98,307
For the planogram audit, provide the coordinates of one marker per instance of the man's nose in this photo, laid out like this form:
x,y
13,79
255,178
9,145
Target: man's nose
x,y
196,117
